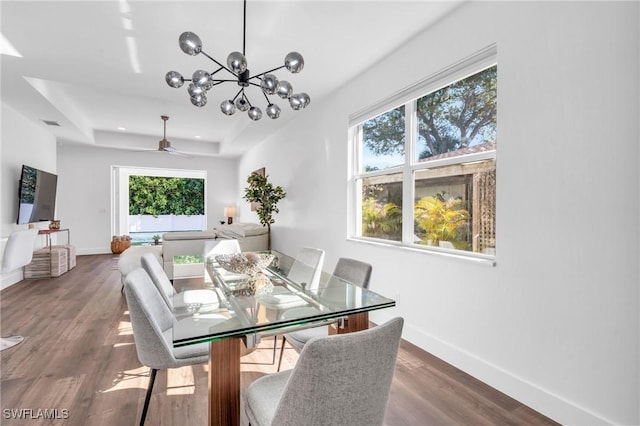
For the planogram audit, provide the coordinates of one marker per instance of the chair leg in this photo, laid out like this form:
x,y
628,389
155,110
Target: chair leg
x,y
284,340
275,346
152,379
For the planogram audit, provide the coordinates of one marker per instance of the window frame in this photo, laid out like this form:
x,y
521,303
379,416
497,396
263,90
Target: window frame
x,y
408,97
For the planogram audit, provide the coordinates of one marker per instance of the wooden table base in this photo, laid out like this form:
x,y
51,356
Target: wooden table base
x,y
224,382
352,323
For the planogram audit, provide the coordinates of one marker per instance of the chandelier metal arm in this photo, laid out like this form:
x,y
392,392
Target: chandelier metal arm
x,y
216,71
262,74
266,97
218,63
238,94
216,81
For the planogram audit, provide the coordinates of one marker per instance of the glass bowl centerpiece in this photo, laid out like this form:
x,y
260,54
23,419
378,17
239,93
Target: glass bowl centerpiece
x,y
251,264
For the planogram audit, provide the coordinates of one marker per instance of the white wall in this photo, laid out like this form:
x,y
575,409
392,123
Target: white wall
x,y
555,324
84,189
23,142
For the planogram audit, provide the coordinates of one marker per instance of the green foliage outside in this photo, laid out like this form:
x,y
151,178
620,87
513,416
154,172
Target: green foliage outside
x,y
454,117
457,116
381,220
384,134
442,219
153,195
437,219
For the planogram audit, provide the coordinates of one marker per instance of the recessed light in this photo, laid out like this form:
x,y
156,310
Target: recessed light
x,y
122,128
197,136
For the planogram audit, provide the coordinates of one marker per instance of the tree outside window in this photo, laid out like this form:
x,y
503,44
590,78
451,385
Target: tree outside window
x,y
452,167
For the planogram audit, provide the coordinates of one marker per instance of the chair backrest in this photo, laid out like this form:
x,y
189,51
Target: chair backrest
x,y
354,271
155,271
307,268
221,246
150,318
342,379
19,249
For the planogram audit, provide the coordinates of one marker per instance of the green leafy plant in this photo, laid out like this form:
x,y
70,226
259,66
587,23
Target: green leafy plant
x,y
381,220
261,191
156,238
154,195
441,219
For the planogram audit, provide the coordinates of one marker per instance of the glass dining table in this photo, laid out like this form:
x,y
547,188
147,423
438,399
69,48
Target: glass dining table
x,y
233,308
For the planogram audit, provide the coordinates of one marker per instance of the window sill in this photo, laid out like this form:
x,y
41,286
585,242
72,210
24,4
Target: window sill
x,y
481,259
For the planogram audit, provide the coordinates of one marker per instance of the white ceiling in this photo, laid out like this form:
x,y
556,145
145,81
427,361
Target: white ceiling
x,y
95,66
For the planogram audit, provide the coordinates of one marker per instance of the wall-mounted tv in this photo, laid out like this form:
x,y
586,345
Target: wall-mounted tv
x,y
36,195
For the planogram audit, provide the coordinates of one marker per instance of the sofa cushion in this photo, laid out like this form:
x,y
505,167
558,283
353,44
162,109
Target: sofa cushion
x,y
241,230
189,235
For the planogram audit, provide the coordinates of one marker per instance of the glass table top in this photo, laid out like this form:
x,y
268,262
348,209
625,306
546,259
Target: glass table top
x,y
213,303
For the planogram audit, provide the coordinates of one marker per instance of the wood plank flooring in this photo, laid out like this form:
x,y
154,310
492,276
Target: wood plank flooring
x,y
78,358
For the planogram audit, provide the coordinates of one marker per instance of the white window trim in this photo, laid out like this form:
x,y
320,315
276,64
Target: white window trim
x,y
473,64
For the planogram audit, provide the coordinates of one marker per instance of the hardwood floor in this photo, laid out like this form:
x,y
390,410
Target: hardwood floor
x,y
78,357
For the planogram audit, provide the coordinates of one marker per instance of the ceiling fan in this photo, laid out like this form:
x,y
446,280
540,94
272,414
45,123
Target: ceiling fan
x,y
165,146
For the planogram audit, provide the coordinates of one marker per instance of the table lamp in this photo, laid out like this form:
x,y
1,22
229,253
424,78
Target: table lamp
x,y
230,213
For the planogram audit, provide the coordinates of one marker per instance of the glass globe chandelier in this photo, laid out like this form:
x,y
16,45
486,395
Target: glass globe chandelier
x,y
202,81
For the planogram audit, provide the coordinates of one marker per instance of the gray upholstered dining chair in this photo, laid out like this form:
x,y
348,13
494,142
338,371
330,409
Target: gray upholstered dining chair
x,y
356,272
173,300
152,324
342,379
306,269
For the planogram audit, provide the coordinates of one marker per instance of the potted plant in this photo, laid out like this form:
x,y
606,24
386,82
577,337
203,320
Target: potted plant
x,y
156,239
261,191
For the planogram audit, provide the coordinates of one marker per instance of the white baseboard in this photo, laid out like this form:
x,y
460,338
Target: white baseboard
x,y
89,251
530,394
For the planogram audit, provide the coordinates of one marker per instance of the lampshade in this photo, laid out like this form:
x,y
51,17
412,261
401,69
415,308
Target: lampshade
x,y
230,211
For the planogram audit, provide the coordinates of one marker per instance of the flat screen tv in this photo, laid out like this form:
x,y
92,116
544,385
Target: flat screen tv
x,y
36,195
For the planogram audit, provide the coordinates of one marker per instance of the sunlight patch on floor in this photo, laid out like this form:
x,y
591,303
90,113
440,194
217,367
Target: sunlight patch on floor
x,y
137,378
180,381
124,328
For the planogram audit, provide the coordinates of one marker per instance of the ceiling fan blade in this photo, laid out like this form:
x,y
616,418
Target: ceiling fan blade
x,y
174,152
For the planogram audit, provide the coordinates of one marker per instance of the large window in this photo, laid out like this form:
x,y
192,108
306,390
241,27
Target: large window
x,y
425,171
149,201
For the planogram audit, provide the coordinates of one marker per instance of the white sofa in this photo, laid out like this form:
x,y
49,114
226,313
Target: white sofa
x,y
250,236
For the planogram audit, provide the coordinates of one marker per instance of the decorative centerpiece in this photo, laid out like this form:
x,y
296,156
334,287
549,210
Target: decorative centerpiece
x,y
250,264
